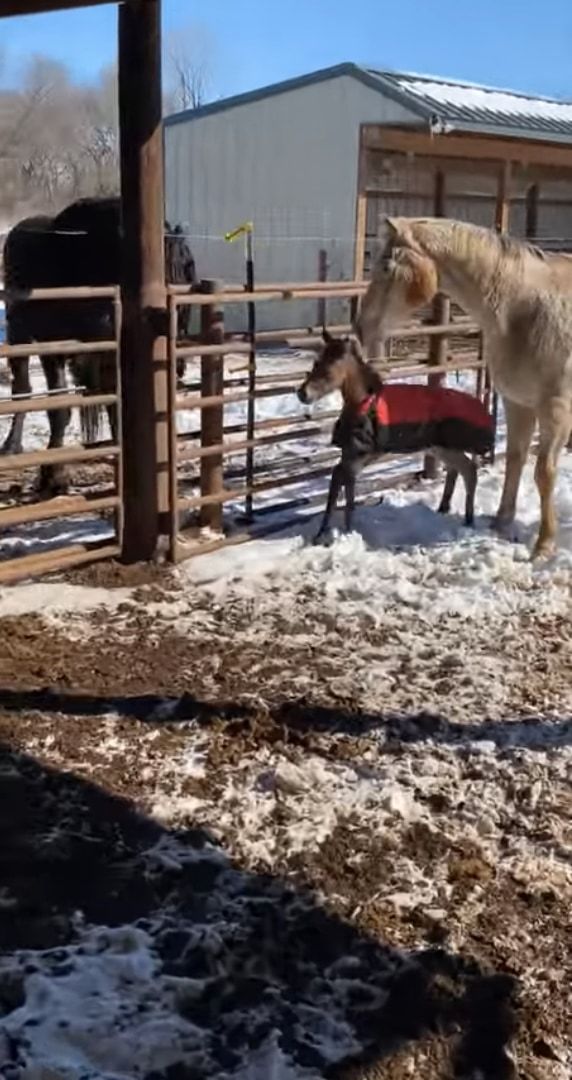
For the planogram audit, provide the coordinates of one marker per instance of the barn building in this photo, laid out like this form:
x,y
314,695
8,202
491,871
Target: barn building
x,y
315,162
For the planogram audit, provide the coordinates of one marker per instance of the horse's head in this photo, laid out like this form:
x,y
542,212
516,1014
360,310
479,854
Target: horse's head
x,y
403,279
333,365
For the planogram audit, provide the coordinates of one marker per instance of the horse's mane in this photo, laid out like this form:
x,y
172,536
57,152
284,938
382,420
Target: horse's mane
x,y
465,234
512,246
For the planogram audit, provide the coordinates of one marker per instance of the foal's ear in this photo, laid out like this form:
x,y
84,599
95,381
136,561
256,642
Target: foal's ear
x,y
326,336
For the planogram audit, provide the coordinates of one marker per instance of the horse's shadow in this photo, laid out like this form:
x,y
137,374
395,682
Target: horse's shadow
x,y
249,972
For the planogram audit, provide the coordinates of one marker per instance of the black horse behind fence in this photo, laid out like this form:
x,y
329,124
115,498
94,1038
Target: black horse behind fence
x,y
79,246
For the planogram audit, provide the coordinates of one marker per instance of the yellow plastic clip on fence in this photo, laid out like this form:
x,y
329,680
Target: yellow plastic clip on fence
x,y
246,227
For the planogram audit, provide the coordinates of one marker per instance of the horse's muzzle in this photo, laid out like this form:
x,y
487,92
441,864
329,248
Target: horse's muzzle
x,y
303,395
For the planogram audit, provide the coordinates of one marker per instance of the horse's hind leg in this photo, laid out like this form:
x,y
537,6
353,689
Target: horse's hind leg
x,y
53,478
20,369
554,422
520,426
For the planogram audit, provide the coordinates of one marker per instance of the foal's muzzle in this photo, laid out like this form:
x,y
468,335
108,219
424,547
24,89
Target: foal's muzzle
x,y
303,395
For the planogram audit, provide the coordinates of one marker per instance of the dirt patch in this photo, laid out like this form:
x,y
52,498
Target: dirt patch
x,y
115,575
101,731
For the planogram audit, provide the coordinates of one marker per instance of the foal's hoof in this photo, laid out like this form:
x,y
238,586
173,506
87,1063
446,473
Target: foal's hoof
x,y
323,539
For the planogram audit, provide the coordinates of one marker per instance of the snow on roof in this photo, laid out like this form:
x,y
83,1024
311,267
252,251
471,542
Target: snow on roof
x,y
471,106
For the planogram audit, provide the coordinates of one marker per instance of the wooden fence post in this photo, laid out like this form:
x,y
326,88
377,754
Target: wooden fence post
x,y
212,418
143,293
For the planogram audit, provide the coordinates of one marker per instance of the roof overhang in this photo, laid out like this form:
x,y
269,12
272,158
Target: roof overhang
x,y
38,7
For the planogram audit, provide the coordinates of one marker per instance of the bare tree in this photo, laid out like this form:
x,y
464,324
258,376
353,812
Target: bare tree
x,y
189,67
58,138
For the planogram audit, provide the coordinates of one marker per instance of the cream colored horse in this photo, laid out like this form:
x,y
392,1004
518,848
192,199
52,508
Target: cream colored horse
x,y
521,298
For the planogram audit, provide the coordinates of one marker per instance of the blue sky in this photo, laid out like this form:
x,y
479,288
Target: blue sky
x,y
512,43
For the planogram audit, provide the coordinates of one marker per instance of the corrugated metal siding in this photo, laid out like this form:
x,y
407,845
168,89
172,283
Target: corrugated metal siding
x,y
287,162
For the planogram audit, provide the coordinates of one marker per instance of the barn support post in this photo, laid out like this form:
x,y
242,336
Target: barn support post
x,y
321,313
531,225
438,346
502,209
144,328
212,418
361,208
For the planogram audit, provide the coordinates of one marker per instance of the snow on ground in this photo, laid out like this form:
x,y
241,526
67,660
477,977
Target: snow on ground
x,y
403,552
443,800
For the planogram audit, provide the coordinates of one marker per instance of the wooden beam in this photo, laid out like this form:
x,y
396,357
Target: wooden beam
x,y
377,137
144,329
39,7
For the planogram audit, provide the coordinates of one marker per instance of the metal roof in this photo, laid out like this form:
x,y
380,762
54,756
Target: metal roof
x,y
461,106
442,104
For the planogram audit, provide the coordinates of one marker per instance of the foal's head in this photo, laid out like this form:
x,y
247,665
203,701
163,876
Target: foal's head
x,y
339,363
403,279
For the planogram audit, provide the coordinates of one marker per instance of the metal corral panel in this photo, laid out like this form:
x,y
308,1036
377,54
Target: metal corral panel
x,y
288,162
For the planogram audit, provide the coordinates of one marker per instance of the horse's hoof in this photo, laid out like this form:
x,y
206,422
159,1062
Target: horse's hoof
x,y
52,485
505,529
543,549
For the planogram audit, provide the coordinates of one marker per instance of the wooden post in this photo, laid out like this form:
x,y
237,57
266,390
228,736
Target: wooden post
x,y
438,346
321,313
502,209
143,338
212,418
361,208
531,225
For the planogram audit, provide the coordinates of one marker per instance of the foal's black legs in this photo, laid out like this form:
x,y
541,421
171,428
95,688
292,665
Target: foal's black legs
x,y
336,482
448,490
344,474
350,486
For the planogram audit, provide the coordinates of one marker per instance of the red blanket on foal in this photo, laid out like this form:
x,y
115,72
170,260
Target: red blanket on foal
x,y
404,418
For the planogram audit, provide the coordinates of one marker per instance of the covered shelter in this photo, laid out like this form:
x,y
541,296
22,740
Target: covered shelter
x,y
144,376
317,160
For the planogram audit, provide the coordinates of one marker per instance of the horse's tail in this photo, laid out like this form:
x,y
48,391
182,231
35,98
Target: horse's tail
x,y
90,372
90,420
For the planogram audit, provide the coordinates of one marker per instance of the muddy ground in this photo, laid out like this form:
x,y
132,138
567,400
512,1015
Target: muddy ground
x,y
474,985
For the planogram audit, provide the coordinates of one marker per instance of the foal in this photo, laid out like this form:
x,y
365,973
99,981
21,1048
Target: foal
x,y
399,418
